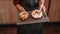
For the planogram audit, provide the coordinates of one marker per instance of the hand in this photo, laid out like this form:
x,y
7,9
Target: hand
x,y
20,8
42,8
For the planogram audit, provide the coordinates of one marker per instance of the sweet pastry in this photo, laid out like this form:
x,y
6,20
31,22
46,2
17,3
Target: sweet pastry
x,y
36,14
23,15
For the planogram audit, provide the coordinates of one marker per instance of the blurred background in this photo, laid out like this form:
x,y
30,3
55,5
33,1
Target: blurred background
x,y
7,12
53,10
8,16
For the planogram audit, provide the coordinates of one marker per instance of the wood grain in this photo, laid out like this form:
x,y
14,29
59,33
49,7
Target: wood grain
x,y
54,11
8,30
46,4
7,12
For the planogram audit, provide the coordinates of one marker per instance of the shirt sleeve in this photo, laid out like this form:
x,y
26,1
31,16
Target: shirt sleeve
x,y
16,2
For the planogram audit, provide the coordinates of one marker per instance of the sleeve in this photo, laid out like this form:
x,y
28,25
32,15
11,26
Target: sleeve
x,y
16,2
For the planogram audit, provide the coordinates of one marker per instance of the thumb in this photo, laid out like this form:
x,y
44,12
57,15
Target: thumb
x,y
44,9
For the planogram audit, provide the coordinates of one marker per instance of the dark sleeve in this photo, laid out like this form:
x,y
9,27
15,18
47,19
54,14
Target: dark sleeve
x,y
16,2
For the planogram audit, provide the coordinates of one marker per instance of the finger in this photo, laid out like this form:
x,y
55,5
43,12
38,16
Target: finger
x,y
43,8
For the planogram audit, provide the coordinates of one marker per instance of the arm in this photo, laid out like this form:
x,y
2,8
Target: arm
x,y
18,6
41,5
41,2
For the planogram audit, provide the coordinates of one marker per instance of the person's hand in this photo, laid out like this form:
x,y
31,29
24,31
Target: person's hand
x,y
20,8
42,8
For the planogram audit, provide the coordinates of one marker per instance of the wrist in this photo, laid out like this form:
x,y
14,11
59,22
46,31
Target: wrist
x,y
22,9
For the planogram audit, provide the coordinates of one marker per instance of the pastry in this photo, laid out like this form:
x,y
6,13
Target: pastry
x,y
23,15
36,14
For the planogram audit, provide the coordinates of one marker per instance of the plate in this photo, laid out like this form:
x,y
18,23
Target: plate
x,y
36,14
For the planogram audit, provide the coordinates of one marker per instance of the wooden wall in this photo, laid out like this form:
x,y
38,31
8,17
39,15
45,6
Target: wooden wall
x,y
54,11
7,12
46,5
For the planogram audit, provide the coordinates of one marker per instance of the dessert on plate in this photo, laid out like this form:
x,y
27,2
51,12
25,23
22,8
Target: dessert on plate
x,y
36,14
23,15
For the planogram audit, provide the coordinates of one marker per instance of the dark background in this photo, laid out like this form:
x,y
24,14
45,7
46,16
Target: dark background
x,y
47,29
